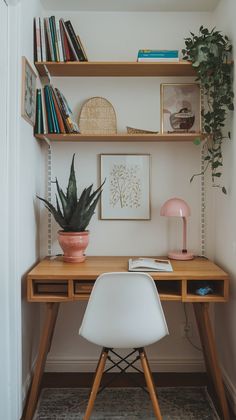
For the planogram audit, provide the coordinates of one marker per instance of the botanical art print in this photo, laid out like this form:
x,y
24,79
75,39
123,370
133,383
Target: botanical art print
x,y
126,191
28,92
180,108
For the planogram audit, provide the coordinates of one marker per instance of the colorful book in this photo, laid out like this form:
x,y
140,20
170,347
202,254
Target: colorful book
x,y
75,41
65,44
73,53
49,111
159,53
51,55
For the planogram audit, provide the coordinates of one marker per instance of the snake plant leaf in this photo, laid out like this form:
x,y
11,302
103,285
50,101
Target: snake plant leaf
x,y
71,193
59,218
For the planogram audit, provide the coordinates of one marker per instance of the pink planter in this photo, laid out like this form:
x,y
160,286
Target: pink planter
x,y
73,245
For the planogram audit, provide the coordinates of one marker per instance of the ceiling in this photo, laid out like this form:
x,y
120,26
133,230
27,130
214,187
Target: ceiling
x,y
131,5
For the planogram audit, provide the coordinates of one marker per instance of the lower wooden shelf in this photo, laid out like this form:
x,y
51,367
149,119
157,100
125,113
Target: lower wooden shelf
x,y
172,137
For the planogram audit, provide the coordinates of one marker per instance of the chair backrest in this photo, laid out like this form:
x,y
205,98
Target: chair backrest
x,y
124,311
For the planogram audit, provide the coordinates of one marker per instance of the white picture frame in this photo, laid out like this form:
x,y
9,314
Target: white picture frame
x,y
126,192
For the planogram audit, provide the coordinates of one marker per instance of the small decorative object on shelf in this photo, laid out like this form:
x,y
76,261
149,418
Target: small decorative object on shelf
x,y
97,116
73,215
132,130
210,54
56,40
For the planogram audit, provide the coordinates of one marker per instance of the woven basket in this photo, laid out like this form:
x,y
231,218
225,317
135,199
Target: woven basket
x,y
97,116
131,130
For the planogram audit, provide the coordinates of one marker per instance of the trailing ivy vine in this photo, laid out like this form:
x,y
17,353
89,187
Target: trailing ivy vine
x,y
210,53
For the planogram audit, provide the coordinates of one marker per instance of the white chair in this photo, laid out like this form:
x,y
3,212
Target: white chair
x,y
124,311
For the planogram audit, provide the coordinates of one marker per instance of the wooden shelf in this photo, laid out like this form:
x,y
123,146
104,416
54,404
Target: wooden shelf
x,y
175,137
114,69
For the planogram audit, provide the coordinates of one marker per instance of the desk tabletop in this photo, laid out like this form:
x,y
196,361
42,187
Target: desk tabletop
x,y
55,268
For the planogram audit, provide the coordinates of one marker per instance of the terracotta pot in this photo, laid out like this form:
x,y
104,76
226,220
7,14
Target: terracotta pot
x,y
73,245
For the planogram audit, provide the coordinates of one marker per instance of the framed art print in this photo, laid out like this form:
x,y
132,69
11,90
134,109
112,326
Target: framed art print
x,y
180,108
126,192
28,102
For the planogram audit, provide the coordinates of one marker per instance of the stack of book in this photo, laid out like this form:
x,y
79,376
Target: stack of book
x,y
158,55
53,114
55,40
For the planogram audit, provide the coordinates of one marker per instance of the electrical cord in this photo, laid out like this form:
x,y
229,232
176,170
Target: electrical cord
x,y
186,324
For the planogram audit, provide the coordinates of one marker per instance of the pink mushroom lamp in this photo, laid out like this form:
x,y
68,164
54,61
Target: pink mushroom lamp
x,y
178,208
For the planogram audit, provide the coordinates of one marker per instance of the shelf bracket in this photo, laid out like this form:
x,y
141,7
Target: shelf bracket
x,y
47,72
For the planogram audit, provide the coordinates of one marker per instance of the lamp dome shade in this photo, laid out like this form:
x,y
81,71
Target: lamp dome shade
x,y
175,207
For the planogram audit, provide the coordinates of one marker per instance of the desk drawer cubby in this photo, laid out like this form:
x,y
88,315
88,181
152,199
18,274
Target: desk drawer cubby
x,y
52,289
169,289
83,288
218,292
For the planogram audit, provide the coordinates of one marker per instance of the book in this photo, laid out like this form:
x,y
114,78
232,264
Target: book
x,y
51,56
73,52
149,264
64,42
38,38
75,41
158,59
159,53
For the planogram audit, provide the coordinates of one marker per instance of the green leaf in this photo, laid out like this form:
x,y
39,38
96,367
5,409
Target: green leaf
x,y
197,141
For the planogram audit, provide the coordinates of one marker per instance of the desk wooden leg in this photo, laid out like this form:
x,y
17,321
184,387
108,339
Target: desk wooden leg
x,y
210,354
44,347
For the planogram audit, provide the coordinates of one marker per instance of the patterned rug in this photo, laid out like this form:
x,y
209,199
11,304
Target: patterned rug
x,y
179,403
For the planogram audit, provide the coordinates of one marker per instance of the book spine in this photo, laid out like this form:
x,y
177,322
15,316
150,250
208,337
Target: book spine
x,y
51,24
59,41
49,38
70,43
174,53
58,113
158,59
54,116
37,119
43,40
74,40
48,109
158,55
38,39
45,126
65,45
82,47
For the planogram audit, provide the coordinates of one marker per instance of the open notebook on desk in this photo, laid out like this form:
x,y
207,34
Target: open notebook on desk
x,y
149,264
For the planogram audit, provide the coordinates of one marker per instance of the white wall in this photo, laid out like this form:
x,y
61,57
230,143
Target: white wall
x,y
30,173
225,225
118,36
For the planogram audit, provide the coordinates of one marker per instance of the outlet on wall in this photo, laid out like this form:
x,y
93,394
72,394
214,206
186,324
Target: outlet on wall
x,y
186,330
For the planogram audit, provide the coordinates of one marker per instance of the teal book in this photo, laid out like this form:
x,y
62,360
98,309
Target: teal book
x,y
48,111
54,115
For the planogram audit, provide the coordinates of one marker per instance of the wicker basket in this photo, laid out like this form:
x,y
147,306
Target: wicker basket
x,y
131,130
97,116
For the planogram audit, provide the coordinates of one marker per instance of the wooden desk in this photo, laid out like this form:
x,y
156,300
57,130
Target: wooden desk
x,y
52,281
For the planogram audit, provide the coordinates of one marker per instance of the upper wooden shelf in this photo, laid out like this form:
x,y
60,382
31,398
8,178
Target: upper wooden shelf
x,y
114,69
173,137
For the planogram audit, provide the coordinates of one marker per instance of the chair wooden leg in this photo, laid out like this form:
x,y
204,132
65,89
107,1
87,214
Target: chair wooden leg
x,y
96,383
150,384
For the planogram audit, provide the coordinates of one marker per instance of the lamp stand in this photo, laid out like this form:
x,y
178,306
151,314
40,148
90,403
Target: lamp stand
x,y
184,254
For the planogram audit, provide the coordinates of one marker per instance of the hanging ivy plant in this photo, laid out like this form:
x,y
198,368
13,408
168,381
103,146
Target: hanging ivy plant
x,y
210,53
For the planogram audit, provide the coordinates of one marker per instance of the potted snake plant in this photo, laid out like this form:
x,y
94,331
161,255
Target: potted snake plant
x,y
73,216
210,54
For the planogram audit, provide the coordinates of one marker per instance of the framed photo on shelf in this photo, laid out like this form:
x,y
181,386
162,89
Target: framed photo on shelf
x,y
180,108
126,192
28,96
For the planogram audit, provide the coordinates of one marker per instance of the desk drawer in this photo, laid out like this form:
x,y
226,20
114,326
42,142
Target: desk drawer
x,y
82,287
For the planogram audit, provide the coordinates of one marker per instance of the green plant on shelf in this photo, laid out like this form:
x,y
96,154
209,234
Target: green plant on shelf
x,y
210,53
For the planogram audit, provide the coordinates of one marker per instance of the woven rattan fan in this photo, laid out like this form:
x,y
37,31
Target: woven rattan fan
x,y
97,116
